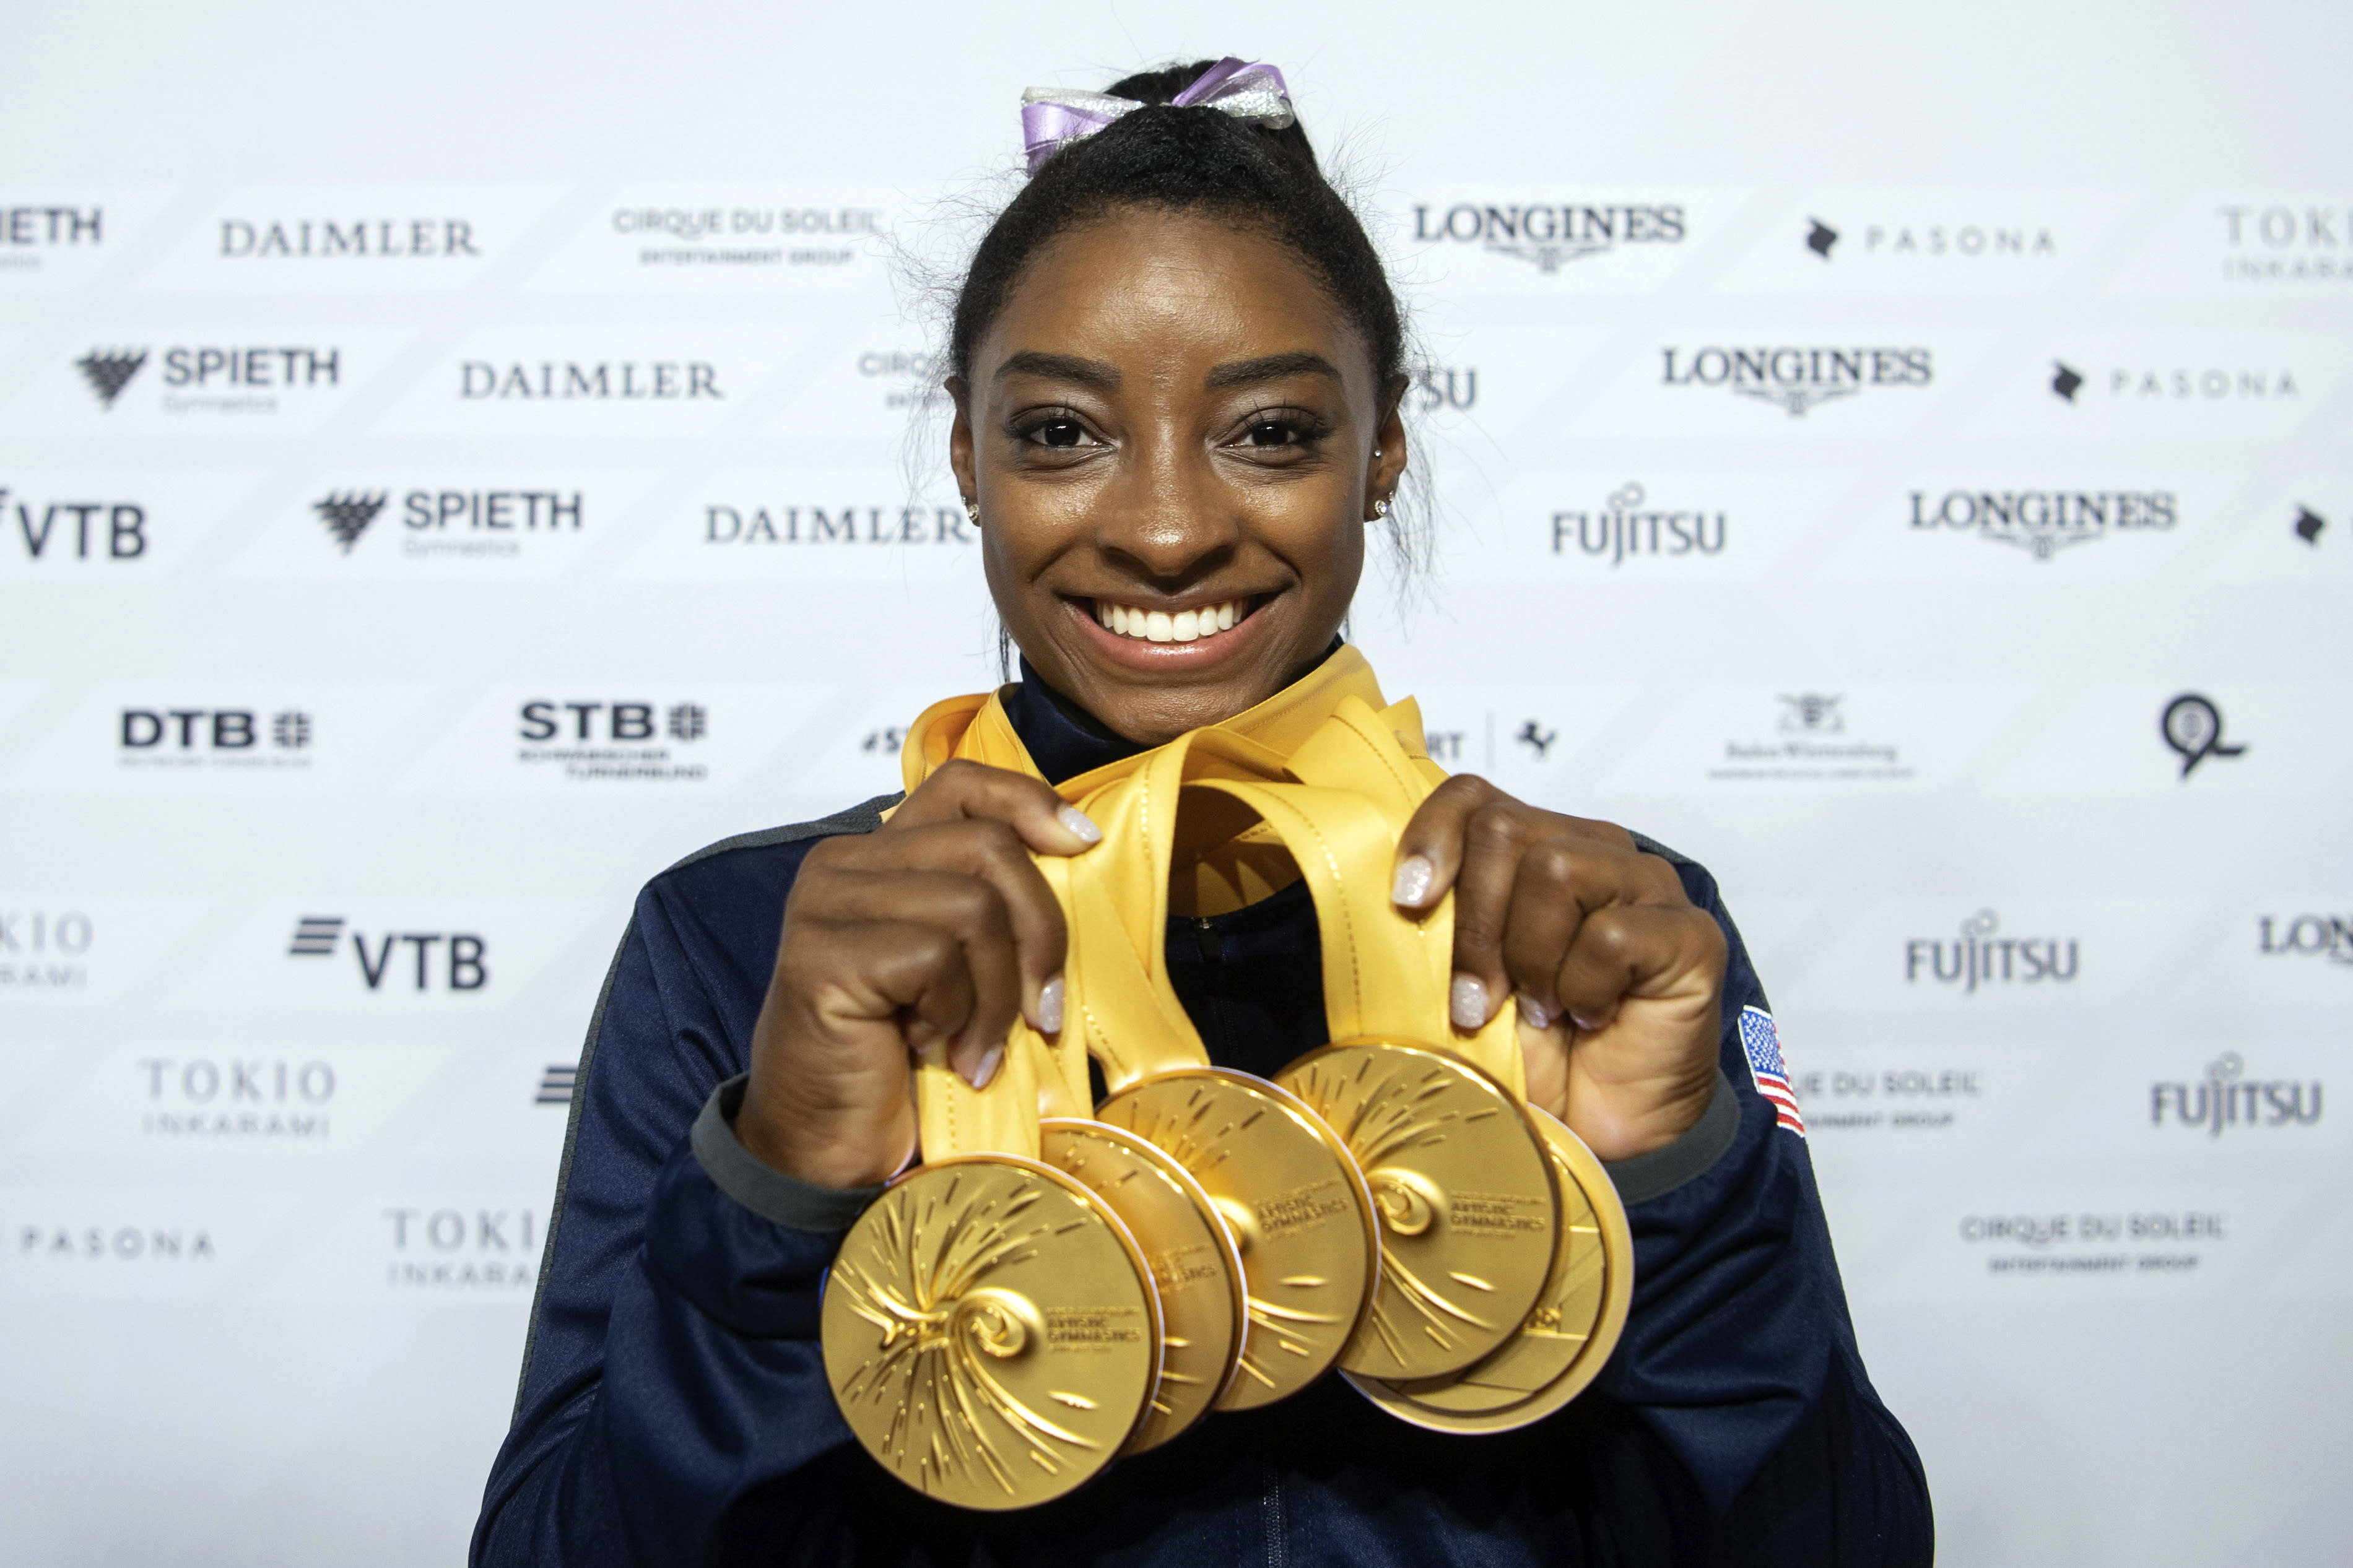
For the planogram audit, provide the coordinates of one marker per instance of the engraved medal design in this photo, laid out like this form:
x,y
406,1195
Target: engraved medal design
x,y
1464,1190
1286,1187
1196,1265
1567,1340
990,1331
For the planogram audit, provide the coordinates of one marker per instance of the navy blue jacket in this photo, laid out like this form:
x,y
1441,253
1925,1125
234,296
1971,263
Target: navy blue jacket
x,y
673,1407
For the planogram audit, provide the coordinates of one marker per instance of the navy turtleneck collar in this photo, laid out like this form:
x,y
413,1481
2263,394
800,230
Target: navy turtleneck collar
x,y
1065,739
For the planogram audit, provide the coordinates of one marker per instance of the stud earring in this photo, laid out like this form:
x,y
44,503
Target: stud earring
x,y
1376,451
1381,507
972,511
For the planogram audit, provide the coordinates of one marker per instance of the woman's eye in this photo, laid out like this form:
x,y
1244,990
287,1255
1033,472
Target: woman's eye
x,y
1274,433
1058,433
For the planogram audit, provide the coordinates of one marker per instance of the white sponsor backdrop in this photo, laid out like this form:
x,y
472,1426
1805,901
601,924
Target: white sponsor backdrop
x,y
452,464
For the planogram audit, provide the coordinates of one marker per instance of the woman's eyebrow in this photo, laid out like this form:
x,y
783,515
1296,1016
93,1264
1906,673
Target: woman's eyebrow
x,y
1061,367
1270,367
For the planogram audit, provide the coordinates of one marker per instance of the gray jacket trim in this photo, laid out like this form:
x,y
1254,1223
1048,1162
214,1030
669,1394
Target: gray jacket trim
x,y
1661,1171
761,1187
864,817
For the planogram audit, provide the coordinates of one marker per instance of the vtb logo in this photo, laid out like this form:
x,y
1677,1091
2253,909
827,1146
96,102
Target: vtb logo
x,y
462,967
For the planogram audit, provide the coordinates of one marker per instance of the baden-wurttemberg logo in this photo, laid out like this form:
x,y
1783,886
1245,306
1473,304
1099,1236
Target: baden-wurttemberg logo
x,y
348,515
1811,713
109,370
1814,741
2191,725
1550,236
1797,379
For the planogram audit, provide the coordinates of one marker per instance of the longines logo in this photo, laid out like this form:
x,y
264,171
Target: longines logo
x,y
1994,240
52,530
215,378
612,739
593,381
1550,236
1812,744
2226,1097
431,959
2042,522
1797,380
43,952
453,522
350,238
236,1099
1628,523
750,235
214,737
2192,727
449,1248
2280,936
116,1244
2143,385
788,523
2281,244
1981,957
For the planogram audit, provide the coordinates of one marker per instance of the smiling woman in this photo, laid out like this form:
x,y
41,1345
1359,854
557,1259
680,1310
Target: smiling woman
x,y
1176,366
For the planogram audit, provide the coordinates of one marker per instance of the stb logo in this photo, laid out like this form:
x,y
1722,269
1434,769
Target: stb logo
x,y
347,516
1813,714
108,373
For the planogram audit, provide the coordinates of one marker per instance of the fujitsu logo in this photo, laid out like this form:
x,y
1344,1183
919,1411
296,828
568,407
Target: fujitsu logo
x,y
2228,1098
1797,380
1981,958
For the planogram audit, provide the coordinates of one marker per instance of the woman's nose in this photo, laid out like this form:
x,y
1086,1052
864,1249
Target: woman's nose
x,y
1167,513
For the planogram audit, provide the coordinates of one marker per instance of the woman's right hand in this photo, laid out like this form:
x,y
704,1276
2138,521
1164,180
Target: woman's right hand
x,y
934,926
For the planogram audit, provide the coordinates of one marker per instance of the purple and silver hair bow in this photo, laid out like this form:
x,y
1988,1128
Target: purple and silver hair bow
x,y
1051,117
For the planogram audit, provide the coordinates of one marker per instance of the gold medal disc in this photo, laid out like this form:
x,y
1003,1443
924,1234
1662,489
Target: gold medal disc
x,y
1567,1340
1196,1265
1297,1207
990,1331
1464,1194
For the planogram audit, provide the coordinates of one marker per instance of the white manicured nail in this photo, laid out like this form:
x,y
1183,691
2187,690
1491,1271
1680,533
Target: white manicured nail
x,y
1414,876
1533,1013
990,1060
1049,1006
1469,1002
1079,822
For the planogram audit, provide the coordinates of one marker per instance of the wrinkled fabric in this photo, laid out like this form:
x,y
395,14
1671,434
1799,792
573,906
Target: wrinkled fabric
x,y
673,1407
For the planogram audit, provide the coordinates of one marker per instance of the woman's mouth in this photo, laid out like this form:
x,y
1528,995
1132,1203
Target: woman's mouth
x,y
1162,626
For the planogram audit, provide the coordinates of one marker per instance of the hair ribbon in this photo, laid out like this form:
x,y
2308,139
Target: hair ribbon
x,y
1051,117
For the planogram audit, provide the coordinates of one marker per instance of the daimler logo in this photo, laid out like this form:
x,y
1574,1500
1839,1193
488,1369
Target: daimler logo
x,y
1981,957
1551,235
595,381
1797,380
788,525
2226,1098
109,371
354,238
347,516
2042,522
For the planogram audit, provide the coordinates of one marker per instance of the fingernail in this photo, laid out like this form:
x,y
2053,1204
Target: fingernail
x,y
1533,1012
1414,875
1079,822
990,1060
1049,1006
1469,1002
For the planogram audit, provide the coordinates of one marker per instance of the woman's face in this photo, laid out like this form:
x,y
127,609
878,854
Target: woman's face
x,y
1169,430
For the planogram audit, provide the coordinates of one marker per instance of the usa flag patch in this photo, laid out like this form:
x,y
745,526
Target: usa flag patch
x,y
1761,1043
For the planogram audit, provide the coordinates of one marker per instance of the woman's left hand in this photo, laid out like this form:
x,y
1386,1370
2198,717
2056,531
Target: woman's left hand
x,y
1619,976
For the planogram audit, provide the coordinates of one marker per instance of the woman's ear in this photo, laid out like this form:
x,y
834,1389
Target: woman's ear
x,y
1387,463
960,461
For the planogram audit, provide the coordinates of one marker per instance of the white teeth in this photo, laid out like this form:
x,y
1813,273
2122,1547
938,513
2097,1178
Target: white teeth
x,y
1160,626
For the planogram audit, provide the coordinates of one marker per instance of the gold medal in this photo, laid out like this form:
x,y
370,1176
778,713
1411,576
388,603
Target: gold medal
x,y
990,1331
1194,1264
1567,1338
1465,1195
1284,1184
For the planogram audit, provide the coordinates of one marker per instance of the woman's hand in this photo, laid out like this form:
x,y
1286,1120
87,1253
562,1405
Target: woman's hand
x,y
935,926
1619,976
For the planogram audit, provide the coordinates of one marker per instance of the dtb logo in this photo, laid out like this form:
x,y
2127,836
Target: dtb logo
x,y
428,960
212,730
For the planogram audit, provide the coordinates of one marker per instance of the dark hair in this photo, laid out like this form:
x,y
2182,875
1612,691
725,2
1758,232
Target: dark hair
x,y
1192,159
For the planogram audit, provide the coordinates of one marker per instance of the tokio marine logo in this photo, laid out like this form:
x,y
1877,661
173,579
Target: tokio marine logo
x,y
1551,235
2228,1098
1979,958
1627,525
1795,379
